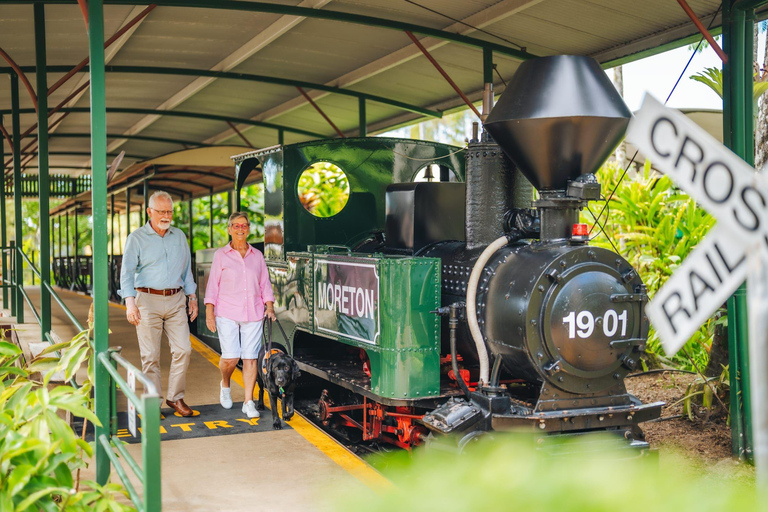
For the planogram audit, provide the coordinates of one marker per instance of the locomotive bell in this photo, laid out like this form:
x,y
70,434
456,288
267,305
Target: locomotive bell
x,y
560,117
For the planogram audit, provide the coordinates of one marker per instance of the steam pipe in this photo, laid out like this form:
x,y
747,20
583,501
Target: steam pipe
x,y
453,324
474,327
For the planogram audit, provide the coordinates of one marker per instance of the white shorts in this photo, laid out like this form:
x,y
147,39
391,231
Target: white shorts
x,y
239,339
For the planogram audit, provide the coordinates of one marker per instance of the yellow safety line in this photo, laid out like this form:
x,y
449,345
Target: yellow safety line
x,y
329,446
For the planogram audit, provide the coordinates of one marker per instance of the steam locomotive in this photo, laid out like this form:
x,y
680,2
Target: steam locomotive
x,y
462,305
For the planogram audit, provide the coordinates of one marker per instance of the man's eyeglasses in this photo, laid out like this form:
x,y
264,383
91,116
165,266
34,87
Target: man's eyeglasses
x,y
240,226
163,212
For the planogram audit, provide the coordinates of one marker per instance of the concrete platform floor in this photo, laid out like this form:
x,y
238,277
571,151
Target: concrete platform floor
x,y
298,469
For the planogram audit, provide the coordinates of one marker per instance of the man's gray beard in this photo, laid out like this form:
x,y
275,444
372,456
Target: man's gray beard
x,y
164,225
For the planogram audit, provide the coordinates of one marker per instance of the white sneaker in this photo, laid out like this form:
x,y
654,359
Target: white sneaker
x,y
225,397
249,409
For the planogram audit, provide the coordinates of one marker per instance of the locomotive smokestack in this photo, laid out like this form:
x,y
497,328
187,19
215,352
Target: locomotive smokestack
x,y
560,117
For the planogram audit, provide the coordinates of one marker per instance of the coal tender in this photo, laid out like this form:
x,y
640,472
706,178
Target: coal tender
x,y
551,324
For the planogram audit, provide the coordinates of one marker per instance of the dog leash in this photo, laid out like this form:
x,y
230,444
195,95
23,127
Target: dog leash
x,y
282,331
269,342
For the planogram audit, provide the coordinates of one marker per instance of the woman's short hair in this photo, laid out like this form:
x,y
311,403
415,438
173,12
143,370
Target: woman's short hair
x,y
238,215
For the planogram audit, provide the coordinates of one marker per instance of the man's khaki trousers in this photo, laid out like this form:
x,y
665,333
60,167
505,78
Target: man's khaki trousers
x,y
164,315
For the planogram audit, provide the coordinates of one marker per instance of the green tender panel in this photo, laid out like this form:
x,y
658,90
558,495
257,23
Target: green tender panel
x,y
405,357
406,364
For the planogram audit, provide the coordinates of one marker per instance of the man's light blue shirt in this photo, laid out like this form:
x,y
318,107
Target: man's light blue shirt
x,y
154,261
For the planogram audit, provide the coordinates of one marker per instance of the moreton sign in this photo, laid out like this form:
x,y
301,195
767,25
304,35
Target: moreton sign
x,y
347,299
729,189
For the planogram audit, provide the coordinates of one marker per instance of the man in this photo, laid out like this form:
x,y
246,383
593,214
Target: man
x,y
156,281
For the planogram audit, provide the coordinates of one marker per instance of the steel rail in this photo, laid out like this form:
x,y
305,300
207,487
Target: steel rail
x,y
308,12
119,469
176,113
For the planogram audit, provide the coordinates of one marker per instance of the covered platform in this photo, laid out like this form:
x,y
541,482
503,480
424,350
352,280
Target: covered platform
x,y
226,75
218,459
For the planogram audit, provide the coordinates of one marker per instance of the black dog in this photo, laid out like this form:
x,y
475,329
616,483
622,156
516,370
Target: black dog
x,y
277,373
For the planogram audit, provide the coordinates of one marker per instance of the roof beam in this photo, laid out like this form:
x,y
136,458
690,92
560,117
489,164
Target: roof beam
x,y
264,38
309,12
479,20
109,54
244,76
164,140
177,113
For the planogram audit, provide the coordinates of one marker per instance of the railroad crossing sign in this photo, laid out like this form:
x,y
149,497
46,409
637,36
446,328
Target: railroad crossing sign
x,y
729,189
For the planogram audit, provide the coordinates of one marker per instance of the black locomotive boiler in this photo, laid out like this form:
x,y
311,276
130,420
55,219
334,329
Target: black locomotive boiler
x,y
462,307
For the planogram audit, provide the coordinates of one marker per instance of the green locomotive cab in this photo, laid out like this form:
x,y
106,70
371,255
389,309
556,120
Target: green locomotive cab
x,y
355,317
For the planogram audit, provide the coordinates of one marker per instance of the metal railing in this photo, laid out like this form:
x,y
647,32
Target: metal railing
x,y
148,405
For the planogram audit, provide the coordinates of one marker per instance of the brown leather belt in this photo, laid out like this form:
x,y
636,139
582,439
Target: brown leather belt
x,y
164,293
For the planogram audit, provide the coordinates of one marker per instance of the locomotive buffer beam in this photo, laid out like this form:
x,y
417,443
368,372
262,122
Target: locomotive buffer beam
x,y
580,419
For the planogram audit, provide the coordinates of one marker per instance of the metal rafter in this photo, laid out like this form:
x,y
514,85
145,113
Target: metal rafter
x,y
264,38
309,12
176,113
137,15
468,25
156,70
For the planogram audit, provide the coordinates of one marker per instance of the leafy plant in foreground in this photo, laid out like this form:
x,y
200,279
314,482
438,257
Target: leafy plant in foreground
x,y
40,455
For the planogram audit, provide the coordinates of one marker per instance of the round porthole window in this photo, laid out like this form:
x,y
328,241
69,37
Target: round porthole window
x,y
323,189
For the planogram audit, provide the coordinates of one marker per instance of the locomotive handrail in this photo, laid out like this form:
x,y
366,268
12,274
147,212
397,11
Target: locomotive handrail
x,y
341,248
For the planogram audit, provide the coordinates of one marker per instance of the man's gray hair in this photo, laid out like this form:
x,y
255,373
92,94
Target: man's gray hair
x,y
160,194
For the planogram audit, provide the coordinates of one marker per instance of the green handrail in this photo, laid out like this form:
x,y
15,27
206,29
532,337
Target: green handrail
x,y
148,405
48,286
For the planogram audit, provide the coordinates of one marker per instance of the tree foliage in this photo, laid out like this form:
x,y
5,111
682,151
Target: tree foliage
x,y
654,225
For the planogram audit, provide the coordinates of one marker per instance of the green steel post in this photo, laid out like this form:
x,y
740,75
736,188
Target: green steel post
x,y
280,137
12,277
191,234
76,244
487,66
229,203
146,202
68,244
3,223
43,181
128,210
737,107
99,202
238,202
150,453
363,117
19,265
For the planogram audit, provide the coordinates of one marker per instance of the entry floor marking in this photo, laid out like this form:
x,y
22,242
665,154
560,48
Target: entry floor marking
x,y
209,421
326,444
351,463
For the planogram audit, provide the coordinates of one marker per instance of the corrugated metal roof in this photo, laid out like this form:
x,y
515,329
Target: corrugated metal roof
x,y
372,60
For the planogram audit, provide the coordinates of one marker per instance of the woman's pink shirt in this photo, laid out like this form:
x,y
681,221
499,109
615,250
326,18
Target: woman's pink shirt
x,y
238,287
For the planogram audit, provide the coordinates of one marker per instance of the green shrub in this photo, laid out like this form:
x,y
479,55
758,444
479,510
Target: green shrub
x,y
654,226
586,475
40,455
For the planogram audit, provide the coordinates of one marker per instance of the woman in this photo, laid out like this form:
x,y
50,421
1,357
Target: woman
x,y
237,292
